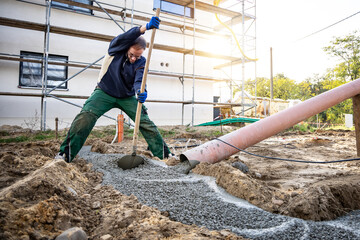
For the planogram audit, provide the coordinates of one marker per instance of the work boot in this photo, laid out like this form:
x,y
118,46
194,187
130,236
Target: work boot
x,y
166,151
171,155
62,156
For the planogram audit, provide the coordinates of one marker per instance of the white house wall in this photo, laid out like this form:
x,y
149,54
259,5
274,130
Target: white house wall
x,y
21,110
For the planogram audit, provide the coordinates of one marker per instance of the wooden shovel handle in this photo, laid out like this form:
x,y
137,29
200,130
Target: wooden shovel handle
x,y
143,84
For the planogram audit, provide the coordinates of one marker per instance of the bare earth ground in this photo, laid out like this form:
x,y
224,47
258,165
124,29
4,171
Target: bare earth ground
x,y
40,198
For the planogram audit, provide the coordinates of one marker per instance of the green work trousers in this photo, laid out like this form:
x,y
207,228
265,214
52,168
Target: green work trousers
x,y
99,103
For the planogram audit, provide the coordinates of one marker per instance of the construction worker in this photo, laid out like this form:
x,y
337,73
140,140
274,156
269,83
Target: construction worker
x,y
119,81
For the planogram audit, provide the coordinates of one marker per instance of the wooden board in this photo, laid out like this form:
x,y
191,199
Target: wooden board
x,y
83,65
123,15
102,37
206,7
86,97
356,108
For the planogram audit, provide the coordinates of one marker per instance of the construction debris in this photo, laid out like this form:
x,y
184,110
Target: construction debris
x,y
42,198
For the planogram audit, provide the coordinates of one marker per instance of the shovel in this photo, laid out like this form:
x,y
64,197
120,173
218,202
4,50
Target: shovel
x,y
133,160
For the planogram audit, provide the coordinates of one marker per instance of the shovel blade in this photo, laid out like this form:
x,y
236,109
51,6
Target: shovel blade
x,y
130,161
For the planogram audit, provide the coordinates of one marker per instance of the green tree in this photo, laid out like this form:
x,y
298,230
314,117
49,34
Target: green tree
x,y
303,90
262,87
283,87
334,78
316,84
348,50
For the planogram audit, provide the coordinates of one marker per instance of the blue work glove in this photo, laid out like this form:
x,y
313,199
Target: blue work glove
x,y
154,23
141,97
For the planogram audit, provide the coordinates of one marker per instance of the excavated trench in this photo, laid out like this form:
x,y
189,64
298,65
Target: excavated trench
x,y
196,199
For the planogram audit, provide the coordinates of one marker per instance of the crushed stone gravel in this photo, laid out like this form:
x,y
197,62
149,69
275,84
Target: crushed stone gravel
x,y
195,199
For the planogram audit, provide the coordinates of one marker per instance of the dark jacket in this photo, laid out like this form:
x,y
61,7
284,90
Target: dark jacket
x,y
118,77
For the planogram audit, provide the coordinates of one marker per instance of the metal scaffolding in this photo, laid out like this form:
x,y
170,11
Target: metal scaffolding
x,y
132,14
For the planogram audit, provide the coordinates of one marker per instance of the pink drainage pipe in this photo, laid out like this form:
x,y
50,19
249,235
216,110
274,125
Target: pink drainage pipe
x,y
215,150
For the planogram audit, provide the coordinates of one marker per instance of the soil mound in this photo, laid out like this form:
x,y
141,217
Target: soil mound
x,y
309,191
326,200
41,197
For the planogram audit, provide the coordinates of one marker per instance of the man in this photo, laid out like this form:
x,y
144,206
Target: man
x,y
119,79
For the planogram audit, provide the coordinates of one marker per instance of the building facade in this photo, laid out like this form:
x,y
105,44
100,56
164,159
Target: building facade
x,y
181,86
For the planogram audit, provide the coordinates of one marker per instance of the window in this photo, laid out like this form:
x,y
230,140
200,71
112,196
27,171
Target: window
x,y
174,8
31,73
72,7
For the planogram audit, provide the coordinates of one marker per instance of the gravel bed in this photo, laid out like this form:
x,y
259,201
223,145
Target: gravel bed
x,y
194,199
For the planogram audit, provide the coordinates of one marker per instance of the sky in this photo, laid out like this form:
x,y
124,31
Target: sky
x,y
283,24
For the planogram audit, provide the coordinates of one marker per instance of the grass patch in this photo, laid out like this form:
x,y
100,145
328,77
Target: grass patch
x,y
190,129
302,127
50,135
340,128
4,133
129,133
29,136
15,139
305,127
213,133
102,133
96,134
167,133
46,135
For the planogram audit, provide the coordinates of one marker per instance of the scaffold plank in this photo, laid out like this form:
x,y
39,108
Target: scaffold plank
x,y
207,7
232,62
86,97
140,18
79,65
233,21
102,37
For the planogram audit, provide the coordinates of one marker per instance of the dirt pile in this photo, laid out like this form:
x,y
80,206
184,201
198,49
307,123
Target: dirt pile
x,y
14,162
242,185
308,191
48,198
124,217
325,200
41,197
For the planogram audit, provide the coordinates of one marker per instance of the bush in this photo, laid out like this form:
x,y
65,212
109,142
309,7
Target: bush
x,y
302,127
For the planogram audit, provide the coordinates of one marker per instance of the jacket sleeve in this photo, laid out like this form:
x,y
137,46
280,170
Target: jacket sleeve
x,y
124,41
139,75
